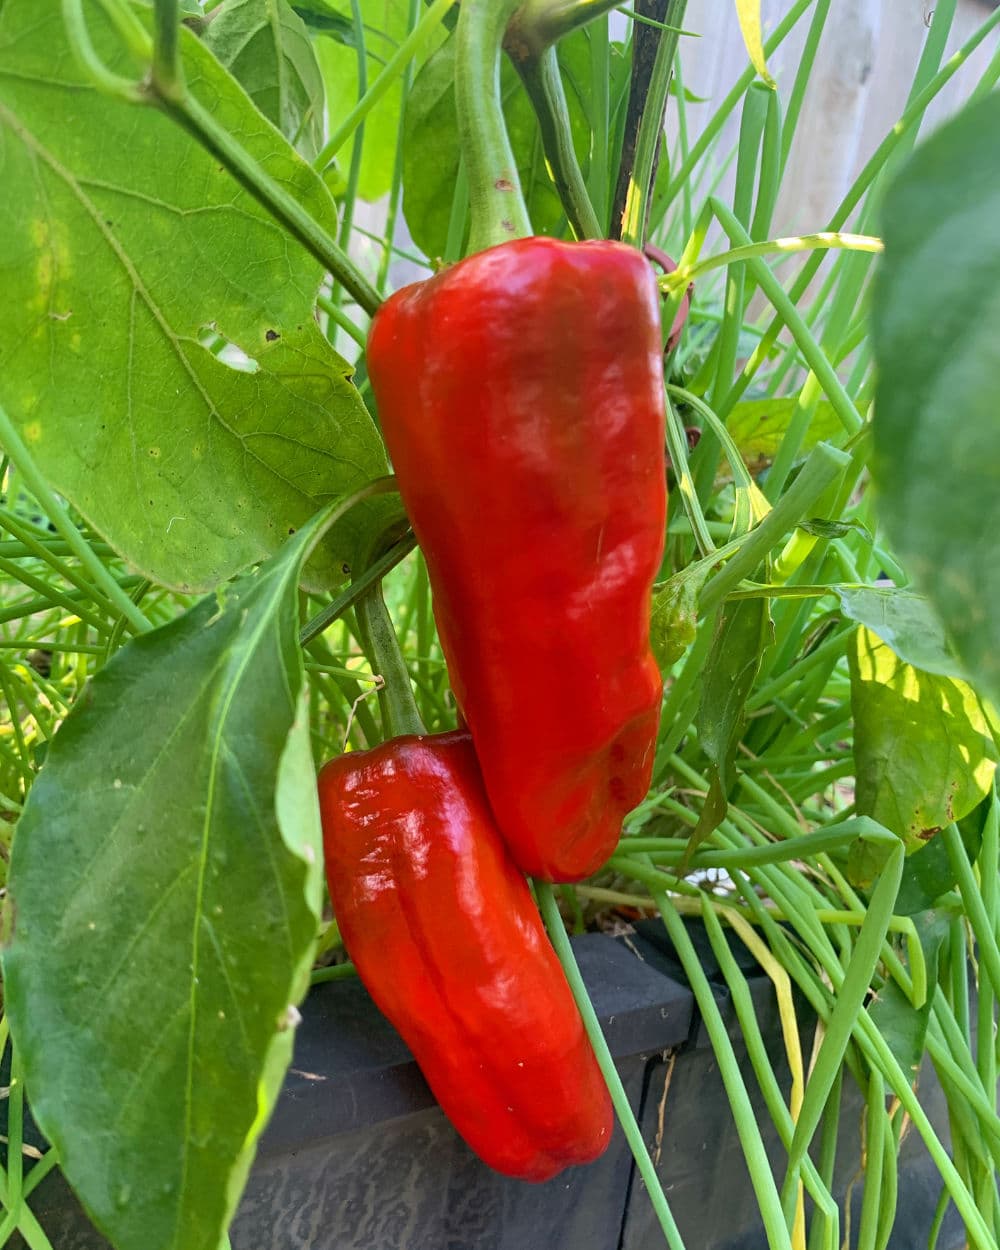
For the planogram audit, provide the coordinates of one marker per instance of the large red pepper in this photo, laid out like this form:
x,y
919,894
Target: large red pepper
x,y
520,394
443,931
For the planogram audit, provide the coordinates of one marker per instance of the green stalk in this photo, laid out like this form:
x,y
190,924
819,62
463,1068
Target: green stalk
x,y
823,466
497,208
757,1053
803,76
21,458
539,24
412,46
783,303
349,597
989,872
168,76
875,1144
711,132
381,646
357,151
626,1117
972,900
395,191
826,1234
745,1121
543,83
600,136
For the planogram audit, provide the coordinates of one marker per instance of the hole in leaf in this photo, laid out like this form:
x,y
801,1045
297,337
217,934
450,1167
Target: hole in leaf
x,y
226,352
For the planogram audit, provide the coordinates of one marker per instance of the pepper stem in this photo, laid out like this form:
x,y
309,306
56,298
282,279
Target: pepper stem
x,y
381,646
497,209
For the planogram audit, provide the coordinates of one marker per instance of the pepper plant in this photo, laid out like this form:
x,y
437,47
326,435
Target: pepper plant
x,y
199,522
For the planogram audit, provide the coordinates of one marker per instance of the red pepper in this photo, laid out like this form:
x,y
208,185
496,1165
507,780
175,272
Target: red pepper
x,y
443,931
520,394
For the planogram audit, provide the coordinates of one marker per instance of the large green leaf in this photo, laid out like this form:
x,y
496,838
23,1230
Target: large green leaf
x,y
122,244
906,622
430,142
936,432
922,751
265,45
166,888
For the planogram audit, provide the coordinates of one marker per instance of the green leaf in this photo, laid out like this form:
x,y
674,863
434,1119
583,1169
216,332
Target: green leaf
x,y
757,427
748,12
819,527
902,1026
744,632
166,885
936,434
266,47
124,246
922,752
325,20
430,142
674,618
906,622
866,859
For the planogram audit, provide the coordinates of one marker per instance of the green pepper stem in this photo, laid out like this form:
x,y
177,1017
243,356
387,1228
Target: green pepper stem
x,y
381,646
541,23
497,209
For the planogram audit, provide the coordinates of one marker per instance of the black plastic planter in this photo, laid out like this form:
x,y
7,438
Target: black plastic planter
x,y
358,1156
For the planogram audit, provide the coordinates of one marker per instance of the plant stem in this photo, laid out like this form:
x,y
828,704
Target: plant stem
x,y
646,107
822,467
19,455
168,74
543,83
411,47
540,24
349,597
626,1116
381,646
498,211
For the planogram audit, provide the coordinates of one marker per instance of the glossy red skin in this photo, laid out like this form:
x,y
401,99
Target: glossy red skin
x,y
520,394
444,933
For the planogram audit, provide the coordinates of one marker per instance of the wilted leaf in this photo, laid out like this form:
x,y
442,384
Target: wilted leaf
x,y
748,12
166,883
125,249
936,433
923,757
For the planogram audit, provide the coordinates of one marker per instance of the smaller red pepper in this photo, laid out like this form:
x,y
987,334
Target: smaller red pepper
x,y
443,931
